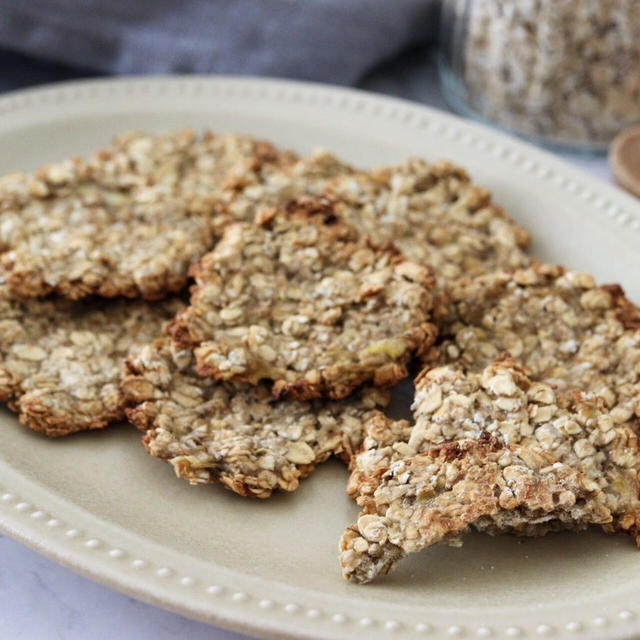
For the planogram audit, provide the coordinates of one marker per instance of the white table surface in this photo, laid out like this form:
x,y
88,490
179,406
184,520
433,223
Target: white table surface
x,y
40,600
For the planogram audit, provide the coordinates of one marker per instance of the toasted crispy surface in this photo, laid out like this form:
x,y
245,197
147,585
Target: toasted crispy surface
x,y
275,184
300,299
61,361
237,435
495,451
435,496
568,399
127,222
435,215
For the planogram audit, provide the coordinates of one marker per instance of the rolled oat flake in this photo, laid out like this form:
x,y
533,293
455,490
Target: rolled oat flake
x,y
560,71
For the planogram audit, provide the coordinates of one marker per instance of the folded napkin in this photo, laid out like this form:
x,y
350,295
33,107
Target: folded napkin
x,y
325,40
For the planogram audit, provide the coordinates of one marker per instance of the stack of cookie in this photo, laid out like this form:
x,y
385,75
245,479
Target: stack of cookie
x,y
317,288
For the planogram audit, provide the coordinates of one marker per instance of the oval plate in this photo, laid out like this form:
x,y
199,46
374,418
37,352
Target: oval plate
x,y
98,504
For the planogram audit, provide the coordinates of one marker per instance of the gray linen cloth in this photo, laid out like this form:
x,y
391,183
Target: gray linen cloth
x,y
326,40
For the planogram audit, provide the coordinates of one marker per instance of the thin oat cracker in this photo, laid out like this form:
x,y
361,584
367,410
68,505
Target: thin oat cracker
x,y
299,298
237,435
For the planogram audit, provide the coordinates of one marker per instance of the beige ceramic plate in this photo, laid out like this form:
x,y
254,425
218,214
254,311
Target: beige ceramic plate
x,y
98,504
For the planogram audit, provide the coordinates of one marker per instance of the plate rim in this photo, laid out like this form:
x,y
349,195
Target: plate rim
x,y
22,519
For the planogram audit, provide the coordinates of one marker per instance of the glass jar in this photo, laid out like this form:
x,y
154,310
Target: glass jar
x,y
563,72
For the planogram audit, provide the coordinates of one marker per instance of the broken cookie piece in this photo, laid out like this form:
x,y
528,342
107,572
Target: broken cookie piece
x,y
238,435
434,498
127,222
435,215
61,361
495,451
301,299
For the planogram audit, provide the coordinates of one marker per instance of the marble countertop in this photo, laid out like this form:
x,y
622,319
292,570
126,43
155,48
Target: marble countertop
x,y
70,607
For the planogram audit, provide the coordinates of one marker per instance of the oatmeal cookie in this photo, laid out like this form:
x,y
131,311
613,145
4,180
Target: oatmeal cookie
x,y
61,361
237,435
299,298
127,222
545,366
493,450
435,215
434,497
